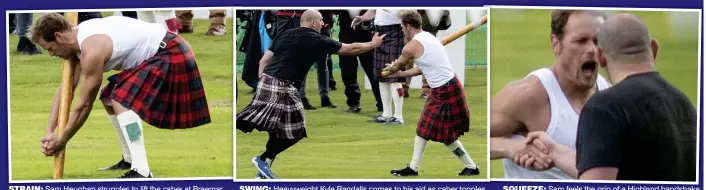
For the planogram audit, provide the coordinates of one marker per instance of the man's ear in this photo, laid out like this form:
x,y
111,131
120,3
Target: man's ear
x,y
57,36
556,44
655,48
601,58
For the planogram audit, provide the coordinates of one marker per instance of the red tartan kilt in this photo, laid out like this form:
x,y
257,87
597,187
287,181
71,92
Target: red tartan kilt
x,y
165,91
445,117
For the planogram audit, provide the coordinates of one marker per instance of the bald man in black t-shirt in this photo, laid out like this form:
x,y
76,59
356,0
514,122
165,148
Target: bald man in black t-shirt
x,y
277,107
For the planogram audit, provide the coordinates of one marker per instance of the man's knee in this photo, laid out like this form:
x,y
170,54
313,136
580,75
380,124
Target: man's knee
x,y
117,107
108,106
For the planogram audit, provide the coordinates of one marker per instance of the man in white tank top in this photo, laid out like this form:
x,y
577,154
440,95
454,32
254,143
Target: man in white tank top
x,y
445,117
548,99
158,82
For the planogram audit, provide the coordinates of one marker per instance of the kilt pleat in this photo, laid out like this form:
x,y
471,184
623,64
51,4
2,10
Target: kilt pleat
x,y
445,117
276,108
166,90
389,50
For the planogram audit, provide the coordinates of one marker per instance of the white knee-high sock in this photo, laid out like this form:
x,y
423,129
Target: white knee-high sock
x,y
460,152
420,145
386,96
395,88
123,140
131,126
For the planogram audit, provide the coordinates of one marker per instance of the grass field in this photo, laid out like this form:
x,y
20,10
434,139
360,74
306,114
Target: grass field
x,y
342,145
200,152
520,44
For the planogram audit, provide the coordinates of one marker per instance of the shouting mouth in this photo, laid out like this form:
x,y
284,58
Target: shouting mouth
x,y
589,67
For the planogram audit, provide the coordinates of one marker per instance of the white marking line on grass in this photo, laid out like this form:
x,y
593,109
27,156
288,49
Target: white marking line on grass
x,y
698,91
9,120
487,179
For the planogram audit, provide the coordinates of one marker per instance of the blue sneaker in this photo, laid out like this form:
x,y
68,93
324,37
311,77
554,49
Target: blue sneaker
x,y
259,176
263,168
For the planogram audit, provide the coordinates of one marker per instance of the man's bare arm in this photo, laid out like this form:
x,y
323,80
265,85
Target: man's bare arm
x,y
266,59
508,111
368,15
565,159
97,51
409,73
412,50
360,48
355,48
54,111
561,156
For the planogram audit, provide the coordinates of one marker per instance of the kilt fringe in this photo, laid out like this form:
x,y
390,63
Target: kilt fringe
x,y
275,108
165,90
445,117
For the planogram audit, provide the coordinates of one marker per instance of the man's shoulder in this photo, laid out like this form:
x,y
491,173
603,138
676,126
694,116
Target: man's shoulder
x,y
526,92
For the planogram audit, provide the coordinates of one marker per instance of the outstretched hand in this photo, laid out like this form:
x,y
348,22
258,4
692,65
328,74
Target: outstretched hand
x,y
378,39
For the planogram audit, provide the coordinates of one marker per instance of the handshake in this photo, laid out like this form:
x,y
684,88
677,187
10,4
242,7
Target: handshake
x,y
538,153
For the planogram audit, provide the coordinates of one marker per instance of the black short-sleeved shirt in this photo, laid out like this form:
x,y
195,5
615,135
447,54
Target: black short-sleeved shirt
x,y
296,50
643,126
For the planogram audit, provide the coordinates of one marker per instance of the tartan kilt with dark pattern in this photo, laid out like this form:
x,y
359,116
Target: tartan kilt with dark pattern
x,y
165,90
445,117
389,50
276,108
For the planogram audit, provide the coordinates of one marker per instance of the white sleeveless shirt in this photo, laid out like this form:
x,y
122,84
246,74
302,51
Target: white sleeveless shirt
x,y
386,17
134,41
434,62
562,126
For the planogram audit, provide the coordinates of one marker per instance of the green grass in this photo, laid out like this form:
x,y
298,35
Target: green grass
x,y
342,145
200,152
520,44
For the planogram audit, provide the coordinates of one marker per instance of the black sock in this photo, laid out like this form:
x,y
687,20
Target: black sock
x,y
276,146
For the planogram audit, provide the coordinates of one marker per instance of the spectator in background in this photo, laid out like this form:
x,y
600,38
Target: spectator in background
x,y
387,22
23,22
349,68
324,66
11,25
84,16
216,17
256,37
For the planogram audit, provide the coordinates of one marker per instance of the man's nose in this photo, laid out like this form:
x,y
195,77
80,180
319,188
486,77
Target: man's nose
x,y
592,48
